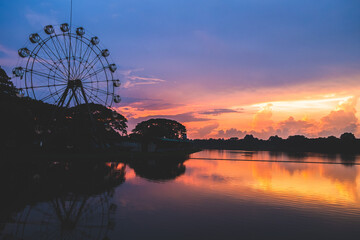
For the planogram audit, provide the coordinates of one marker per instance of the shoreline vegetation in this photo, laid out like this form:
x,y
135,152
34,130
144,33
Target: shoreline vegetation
x,y
346,144
101,156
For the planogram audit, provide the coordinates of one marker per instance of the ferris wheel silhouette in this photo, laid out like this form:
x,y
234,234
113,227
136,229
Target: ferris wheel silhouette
x,y
66,67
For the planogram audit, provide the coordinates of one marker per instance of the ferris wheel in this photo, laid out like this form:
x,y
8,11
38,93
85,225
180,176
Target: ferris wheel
x,y
66,67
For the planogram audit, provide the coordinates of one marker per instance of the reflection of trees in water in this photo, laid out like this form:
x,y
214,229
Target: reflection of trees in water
x,y
73,201
348,159
300,156
158,170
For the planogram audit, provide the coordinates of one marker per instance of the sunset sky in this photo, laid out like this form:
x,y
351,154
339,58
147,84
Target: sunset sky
x,y
223,68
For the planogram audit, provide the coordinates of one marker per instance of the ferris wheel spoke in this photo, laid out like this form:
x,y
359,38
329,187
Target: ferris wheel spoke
x,y
52,85
60,46
52,70
96,81
78,69
56,57
80,63
91,65
85,53
58,52
76,47
53,94
98,90
64,54
87,57
41,74
67,51
94,73
88,95
94,97
71,57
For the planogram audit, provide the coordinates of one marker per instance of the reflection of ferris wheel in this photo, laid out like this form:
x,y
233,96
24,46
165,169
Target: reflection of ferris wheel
x,y
67,68
64,218
82,207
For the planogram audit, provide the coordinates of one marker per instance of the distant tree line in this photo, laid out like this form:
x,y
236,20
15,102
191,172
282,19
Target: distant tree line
x,y
347,143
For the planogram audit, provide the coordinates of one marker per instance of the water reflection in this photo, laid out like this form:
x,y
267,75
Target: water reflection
x,y
61,201
314,182
158,170
346,159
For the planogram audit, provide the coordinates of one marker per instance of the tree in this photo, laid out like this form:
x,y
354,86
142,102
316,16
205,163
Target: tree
x,y
348,137
250,138
6,86
275,139
103,117
160,128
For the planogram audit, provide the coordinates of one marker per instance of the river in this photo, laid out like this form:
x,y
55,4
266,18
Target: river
x,y
215,194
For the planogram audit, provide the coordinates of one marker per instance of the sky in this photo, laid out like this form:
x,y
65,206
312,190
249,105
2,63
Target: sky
x,y
223,68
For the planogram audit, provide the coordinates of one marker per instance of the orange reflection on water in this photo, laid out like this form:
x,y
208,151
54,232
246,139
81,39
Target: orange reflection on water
x,y
285,182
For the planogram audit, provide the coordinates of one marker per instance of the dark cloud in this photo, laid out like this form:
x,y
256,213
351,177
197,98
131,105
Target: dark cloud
x,y
130,100
232,132
183,117
155,105
147,103
219,111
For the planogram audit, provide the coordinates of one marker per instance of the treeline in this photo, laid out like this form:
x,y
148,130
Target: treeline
x,y
347,143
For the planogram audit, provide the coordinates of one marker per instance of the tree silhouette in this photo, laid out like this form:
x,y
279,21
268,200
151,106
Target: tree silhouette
x,y
105,118
347,143
7,88
159,128
348,137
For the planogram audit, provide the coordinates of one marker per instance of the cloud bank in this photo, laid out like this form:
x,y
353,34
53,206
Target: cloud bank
x,y
342,119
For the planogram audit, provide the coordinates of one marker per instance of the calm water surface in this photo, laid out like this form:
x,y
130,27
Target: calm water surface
x,y
273,196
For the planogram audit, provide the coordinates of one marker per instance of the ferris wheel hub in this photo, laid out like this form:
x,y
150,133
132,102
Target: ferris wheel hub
x,y
74,83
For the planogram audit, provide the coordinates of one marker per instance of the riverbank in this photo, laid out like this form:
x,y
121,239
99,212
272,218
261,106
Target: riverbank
x,y
103,156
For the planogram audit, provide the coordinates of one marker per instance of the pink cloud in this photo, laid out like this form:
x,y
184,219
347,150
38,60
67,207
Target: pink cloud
x,y
132,79
203,132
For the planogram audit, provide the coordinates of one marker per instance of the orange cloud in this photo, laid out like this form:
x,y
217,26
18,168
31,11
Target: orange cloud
x,y
342,119
262,119
296,127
